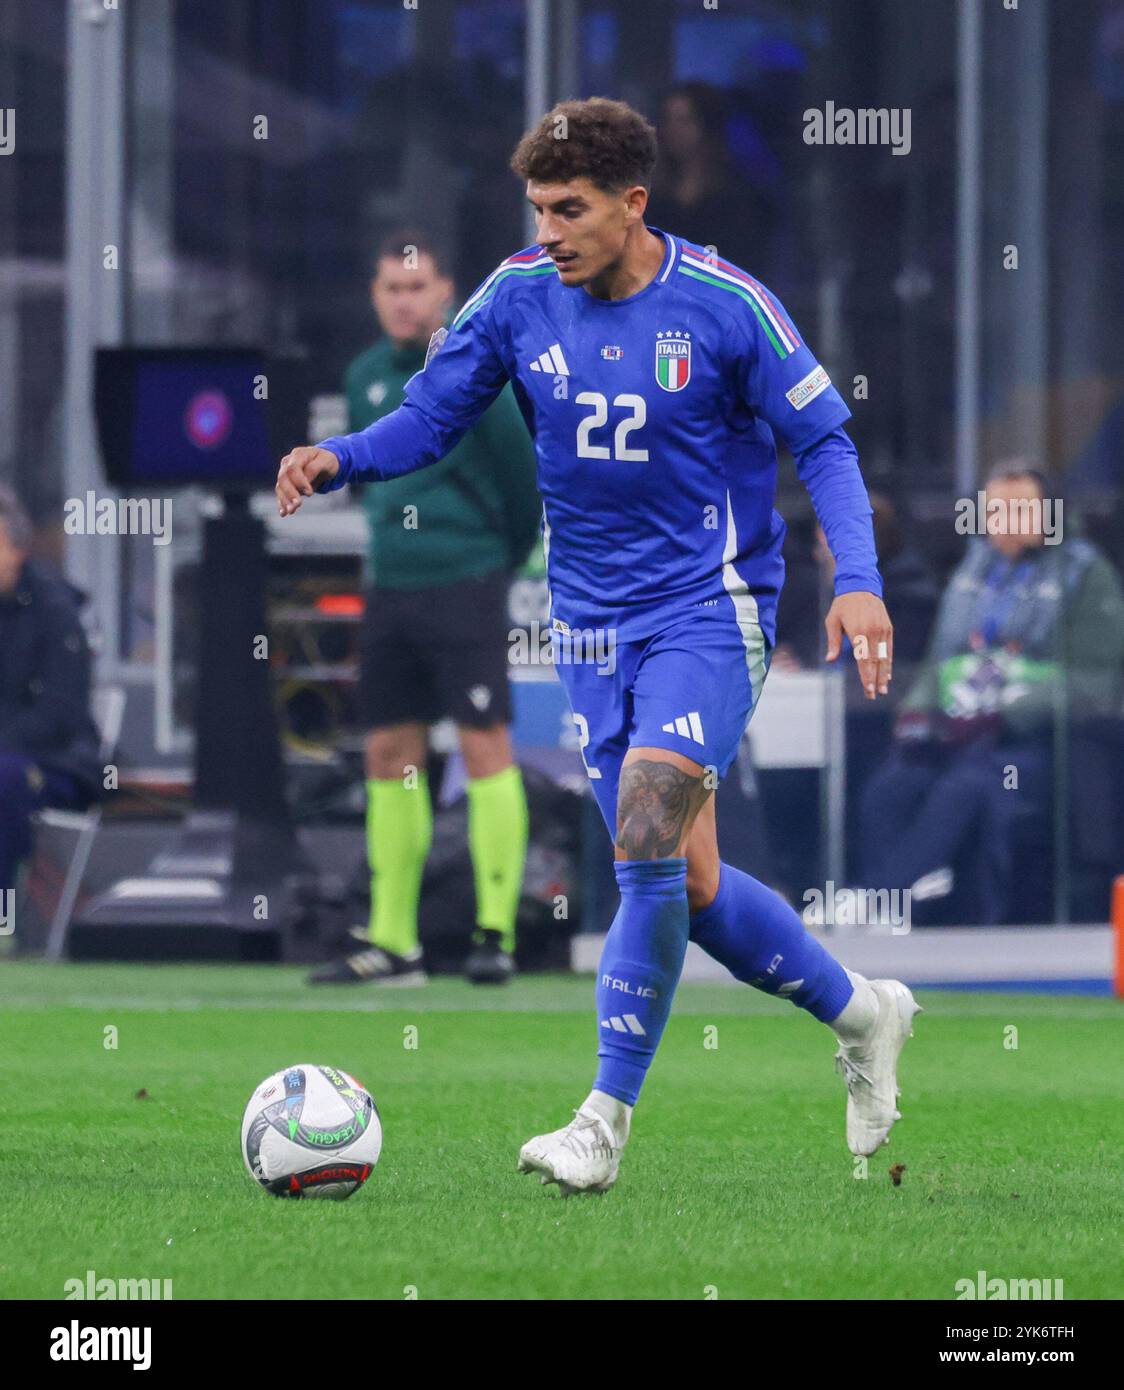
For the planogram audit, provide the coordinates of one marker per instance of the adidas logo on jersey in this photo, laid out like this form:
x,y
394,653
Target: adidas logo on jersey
x,y
551,361
629,1023
686,726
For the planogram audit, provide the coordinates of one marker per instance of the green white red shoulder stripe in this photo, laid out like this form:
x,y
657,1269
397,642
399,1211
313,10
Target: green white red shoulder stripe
x,y
523,263
725,276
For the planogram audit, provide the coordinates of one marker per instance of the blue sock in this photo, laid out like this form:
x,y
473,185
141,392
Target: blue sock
x,y
640,967
761,940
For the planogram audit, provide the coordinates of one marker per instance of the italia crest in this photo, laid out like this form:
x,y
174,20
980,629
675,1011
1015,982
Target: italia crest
x,y
673,360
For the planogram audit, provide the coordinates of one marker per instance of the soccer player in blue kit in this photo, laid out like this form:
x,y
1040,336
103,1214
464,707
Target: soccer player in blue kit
x,y
653,375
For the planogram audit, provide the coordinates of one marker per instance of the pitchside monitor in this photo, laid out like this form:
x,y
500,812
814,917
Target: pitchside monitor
x,y
211,417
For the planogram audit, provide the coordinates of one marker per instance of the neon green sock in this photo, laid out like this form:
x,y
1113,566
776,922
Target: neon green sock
x,y
399,833
497,840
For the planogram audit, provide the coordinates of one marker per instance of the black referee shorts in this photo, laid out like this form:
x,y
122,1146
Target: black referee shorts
x,y
429,654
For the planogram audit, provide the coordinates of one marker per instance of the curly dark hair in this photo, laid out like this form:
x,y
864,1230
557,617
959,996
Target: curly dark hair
x,y
604,141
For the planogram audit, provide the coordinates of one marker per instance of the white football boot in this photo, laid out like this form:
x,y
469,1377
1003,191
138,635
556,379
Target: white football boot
x,y
870,1068
582,1157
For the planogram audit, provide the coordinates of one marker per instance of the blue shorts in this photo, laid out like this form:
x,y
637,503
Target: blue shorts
x,y
691,688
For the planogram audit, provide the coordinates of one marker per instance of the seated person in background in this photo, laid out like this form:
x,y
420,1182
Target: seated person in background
x,y
1021,625
908,587
48,741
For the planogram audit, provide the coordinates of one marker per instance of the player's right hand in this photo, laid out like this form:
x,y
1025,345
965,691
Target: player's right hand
x,y
301,473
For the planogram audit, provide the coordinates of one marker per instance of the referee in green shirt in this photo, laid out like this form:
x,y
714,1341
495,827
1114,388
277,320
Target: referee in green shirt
x,y
444,542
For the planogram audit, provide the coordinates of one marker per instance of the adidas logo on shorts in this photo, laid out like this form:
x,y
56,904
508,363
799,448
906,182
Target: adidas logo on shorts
x,y
686,726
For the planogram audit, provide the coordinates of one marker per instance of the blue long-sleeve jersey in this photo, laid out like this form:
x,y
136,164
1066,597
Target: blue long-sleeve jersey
x,y
654,419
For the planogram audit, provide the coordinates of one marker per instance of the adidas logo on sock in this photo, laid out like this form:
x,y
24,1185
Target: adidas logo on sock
x,y
629,1023
686,726
551,361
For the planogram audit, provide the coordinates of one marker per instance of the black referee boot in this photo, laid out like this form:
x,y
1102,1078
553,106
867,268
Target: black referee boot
x,y
488,963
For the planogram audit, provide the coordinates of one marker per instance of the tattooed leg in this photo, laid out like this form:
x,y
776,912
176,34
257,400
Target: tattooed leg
x,y
657,804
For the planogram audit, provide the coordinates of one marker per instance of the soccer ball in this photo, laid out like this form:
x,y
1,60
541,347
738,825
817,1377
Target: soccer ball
x,y
311,1131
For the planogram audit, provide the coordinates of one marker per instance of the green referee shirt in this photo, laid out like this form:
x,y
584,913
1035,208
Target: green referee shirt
x,y
474,511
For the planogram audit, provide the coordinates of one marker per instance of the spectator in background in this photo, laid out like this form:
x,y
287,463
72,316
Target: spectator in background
x,y
1021,625
908,586
444,542
698,192
908,589
48,741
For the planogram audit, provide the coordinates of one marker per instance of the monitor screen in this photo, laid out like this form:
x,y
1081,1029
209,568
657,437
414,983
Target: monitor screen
x,y
174,417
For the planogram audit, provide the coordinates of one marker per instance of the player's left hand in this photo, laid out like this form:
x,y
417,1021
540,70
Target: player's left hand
x,y
864,619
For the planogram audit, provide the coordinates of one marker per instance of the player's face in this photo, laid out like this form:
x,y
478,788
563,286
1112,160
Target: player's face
x,y
411,303
581,227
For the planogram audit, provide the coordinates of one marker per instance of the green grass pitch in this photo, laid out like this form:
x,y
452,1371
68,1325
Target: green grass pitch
x,y
737,1180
